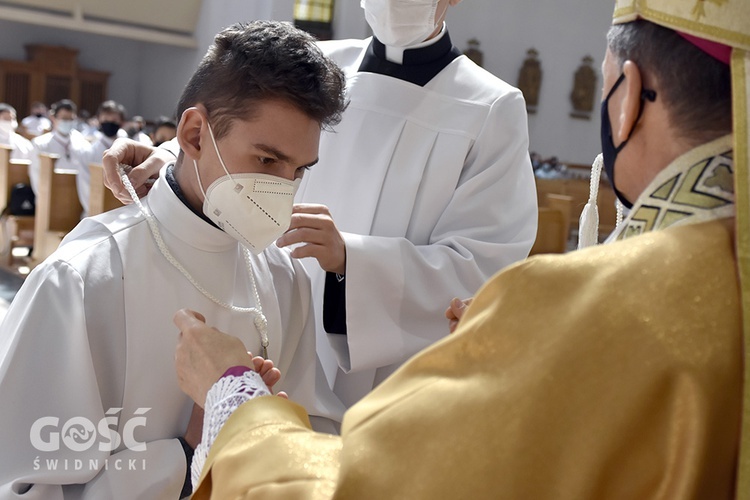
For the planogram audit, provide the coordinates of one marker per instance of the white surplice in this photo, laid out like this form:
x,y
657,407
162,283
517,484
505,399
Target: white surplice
x,y
434,191
91,332
74,153
21,148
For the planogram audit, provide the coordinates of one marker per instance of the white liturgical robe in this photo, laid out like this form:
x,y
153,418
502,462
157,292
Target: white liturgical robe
x,y
74,153
87,350
21,148
434,191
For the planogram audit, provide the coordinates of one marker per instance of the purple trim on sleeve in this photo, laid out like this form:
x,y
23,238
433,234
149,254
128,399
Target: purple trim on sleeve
x,y
236,371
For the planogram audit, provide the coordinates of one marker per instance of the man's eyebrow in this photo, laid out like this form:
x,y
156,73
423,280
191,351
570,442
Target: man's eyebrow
x,y
272,151
279,155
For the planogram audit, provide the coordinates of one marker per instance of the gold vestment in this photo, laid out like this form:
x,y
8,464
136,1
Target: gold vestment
x,y
611,372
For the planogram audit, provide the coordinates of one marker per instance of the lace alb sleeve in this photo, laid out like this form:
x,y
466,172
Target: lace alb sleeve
x,y
222,399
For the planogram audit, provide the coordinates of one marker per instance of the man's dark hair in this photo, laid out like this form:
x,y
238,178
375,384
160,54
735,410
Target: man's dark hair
x,y
112,107
66,104
252,62
165,121
695,87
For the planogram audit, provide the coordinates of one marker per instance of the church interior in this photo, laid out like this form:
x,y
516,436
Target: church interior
x,y
91,51
374,249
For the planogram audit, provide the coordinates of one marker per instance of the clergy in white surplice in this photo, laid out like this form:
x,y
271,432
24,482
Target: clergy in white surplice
x,y
90,405
429,180
71,147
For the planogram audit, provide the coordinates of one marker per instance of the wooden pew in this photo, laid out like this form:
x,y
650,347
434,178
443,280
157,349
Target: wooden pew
x,y
101,198
578,190
564,203
551,233
18,229
57,207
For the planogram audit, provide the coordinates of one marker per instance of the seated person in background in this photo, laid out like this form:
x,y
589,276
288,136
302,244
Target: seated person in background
x,y
111,116
165,130
134,128
21,147
84,127
73,149
89,338
610,372
37,123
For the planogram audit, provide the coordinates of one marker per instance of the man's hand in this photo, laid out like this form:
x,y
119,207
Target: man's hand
x,y
203,355
455,312
314,226
148,161
268,373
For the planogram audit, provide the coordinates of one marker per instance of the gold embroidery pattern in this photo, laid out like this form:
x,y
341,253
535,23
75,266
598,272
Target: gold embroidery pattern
x,y
699,9
701,192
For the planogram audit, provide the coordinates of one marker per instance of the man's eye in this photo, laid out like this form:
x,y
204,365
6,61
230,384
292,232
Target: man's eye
x,y
266,160
301,172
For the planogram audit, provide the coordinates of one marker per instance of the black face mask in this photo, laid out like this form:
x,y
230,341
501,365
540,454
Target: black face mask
x,y
109,128
609,151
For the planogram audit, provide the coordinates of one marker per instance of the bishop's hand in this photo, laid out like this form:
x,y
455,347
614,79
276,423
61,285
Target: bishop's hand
x,y
204,353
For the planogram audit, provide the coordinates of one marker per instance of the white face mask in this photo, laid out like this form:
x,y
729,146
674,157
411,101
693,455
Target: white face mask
x,y
65,126
6,127
255,209
401,23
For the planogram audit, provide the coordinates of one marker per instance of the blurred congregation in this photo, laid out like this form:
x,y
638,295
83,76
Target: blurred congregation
x,y
67,147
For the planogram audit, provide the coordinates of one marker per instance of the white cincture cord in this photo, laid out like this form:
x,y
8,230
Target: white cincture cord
x,y
259,319
588,226
620,216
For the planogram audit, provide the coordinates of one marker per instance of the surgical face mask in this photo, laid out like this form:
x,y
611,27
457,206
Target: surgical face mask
x,y
65,126
109,128
8,126
255,209
401,23
609,151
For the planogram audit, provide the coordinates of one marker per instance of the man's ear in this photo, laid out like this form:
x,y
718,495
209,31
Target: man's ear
x,y
190,129
630,105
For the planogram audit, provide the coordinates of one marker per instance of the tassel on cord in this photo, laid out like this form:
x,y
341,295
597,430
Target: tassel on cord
x,y
588,224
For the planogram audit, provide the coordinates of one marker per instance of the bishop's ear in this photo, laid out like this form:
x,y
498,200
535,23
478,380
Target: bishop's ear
x,y
630,104
189,131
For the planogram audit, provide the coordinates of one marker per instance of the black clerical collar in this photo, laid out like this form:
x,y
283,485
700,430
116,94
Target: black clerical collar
x,y
172,181
419,65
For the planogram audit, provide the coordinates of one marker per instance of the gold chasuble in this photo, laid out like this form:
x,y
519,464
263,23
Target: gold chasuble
x,y
611,372
614,372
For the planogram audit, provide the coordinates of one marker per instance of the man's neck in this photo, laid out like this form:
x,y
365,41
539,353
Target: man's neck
x,y
186,189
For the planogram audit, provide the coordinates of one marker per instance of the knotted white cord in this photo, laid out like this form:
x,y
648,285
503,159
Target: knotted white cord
x,y
259,319
588,225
